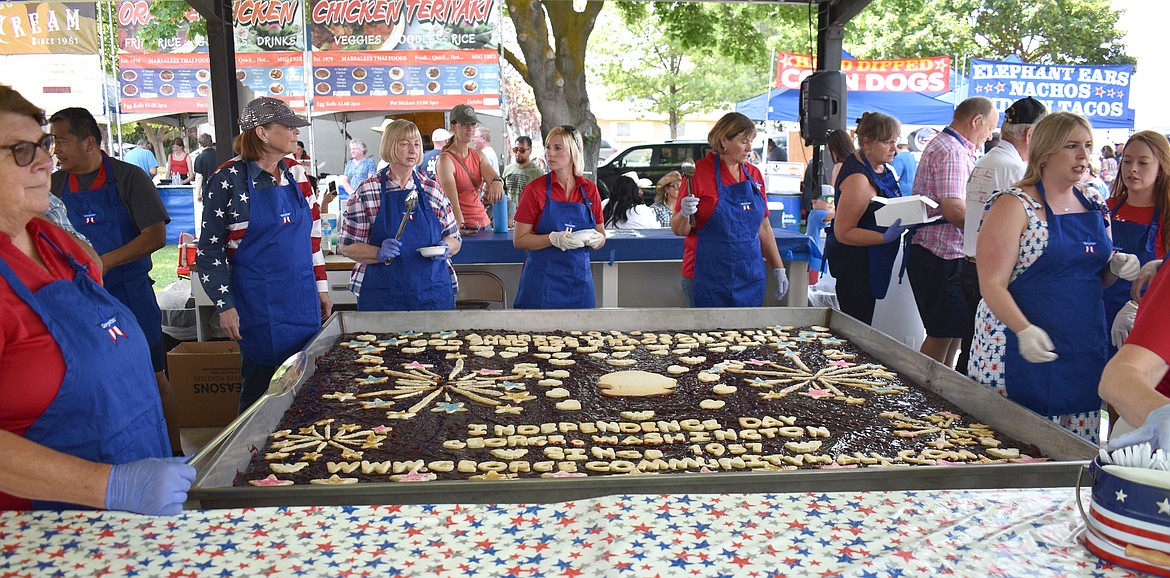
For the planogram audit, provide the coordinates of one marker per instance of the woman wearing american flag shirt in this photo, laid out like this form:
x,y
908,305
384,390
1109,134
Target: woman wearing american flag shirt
x,y
261,217
391,274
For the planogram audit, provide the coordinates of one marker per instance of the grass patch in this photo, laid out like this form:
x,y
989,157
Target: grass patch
x,y
165,260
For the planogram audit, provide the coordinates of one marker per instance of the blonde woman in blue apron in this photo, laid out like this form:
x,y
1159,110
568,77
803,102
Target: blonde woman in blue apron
x,y
1045,256
81,423
391,273
725,253
552,208
860,253
260,217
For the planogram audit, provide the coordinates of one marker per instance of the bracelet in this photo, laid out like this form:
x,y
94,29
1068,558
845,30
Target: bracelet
x,y
497,179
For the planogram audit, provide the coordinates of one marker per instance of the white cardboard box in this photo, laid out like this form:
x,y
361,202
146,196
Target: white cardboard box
x,y
912,210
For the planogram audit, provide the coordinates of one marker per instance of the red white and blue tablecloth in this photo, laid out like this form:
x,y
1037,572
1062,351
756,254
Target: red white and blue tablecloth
x,y
869,534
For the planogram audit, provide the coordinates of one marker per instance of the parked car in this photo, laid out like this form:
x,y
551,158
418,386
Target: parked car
x,y
605,151
650,161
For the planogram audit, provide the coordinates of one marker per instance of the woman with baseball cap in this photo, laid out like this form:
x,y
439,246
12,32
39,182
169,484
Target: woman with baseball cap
x,y
463,171
259,253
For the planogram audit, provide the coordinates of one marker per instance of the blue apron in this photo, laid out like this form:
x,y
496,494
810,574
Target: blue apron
x,y
410,282
1141,240
101,216
729,266
272,274
107,409
1064,280
881,257
552,278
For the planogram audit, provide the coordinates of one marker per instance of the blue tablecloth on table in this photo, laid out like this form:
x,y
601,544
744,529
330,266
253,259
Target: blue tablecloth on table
x,y
181,208
653,245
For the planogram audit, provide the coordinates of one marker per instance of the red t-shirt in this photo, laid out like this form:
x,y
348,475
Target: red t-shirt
x,y
708,197
532,200
1139,215
467,186
1153,317
31,365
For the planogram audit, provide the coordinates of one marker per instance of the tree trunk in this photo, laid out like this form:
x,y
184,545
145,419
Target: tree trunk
x,y
556,73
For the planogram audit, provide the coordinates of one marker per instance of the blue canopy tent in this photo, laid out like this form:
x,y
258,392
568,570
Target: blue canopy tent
x,y
908,107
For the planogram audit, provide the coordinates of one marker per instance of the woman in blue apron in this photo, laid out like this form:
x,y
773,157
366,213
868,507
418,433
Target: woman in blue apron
x,y
556,272
273,296
860,253
391,273
731,242
75,369
1138,207
1044,258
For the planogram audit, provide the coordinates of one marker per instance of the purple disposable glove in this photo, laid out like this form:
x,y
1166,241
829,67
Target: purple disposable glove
x,y
391,248
894,232
153,486
446,251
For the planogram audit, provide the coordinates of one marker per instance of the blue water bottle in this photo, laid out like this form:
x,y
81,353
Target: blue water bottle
x,y
500,215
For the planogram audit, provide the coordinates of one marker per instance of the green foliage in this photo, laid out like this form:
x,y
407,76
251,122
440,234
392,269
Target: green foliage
x,y
1039,31
169,18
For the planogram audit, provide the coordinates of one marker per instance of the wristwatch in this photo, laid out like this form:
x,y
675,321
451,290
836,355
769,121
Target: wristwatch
x,y
497,179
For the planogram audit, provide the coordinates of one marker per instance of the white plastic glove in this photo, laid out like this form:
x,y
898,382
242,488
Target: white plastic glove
x,y
781,282
1035,345
595,241
1156,431
1125,266
564,241
688,206
1123,323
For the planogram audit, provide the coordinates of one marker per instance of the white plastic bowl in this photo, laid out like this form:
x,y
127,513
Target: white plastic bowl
x,y
432,251
584,235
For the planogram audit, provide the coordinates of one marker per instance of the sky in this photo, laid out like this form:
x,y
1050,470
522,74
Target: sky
x,y
1143,23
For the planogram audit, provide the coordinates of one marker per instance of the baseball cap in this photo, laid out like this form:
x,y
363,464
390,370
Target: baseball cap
x,y
440,134
264,110
1024,111
464,114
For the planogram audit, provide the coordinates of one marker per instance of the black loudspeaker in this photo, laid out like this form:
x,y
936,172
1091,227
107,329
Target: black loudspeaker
x,y
822,105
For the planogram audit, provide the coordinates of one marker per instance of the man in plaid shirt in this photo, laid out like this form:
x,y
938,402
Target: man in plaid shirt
x,y
935,256
363,209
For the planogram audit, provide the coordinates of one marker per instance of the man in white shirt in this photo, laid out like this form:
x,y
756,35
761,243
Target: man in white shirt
x,y
997,170
483,142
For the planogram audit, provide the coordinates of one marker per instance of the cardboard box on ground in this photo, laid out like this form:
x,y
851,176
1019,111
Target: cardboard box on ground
x,y
206,379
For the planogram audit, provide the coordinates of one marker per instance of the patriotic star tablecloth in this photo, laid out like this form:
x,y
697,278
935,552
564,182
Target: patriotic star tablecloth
x,y
878,534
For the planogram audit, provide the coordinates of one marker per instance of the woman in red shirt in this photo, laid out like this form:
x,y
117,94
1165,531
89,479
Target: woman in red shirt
x,y
75,374
552,208
1139,208
730,241
180,170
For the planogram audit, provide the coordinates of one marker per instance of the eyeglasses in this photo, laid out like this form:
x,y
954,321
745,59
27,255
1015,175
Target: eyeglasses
x,y
572,130
674,186
520,150
889,143
24,151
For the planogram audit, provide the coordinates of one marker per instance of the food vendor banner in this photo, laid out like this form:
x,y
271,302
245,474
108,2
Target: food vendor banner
x,y
930,74
415,79
1099,93
416,54
175,75
48,28
171,83
134,16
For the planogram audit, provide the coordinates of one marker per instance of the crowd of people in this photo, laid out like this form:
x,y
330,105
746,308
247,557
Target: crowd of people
x,y
1029,280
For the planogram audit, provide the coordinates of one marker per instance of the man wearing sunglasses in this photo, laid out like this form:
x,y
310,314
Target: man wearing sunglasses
x,y
117,207
518,174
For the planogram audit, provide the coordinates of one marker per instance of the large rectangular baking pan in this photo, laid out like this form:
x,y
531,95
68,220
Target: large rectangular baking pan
x,y
213,487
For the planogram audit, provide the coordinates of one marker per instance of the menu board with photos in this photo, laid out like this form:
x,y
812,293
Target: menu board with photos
x,y
167,83
415,79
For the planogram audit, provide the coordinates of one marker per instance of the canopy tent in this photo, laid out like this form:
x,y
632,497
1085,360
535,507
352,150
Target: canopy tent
x,y
908,107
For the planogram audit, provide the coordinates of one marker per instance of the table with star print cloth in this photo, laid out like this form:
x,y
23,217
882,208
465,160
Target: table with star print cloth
x,y
1033,532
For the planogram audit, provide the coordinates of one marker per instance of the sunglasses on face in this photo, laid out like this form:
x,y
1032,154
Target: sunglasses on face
x,y
520,150
25,151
